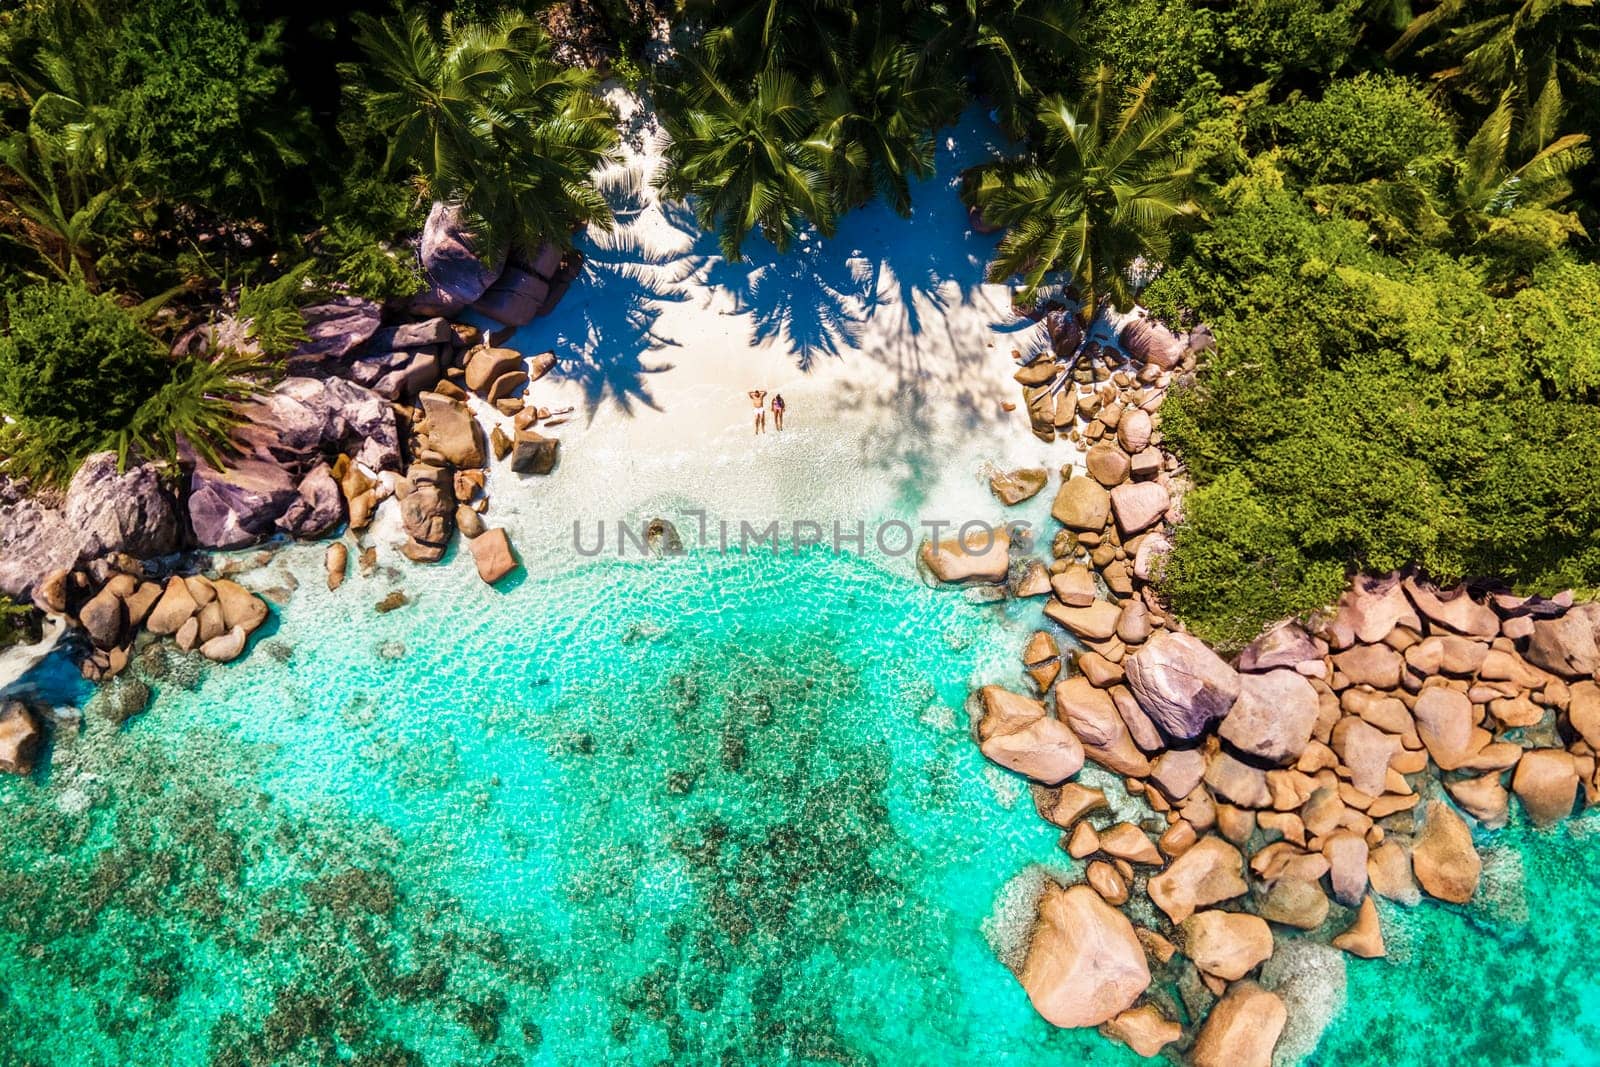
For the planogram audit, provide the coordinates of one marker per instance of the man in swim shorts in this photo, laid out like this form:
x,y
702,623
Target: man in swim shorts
x,y
759,398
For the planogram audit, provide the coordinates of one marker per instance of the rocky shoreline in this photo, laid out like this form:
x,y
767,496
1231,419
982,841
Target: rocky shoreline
x,y
1336,760
378,402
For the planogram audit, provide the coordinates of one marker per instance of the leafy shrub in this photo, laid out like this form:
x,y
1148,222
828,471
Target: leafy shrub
x,y
17,623
1201,51
362,247
1365,127
273,310
1364,412
197,404
208,104
79,374
73,367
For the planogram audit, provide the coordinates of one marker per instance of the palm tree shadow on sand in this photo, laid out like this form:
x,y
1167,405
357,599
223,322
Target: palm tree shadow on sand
x,y
818,298
605,330
824,298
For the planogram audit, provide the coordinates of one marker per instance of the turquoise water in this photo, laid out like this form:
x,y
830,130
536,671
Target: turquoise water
x,y
707,810
717,809
1509,979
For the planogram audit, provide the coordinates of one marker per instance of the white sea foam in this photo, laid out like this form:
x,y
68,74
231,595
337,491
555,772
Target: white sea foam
x,y
1010,925
1310,977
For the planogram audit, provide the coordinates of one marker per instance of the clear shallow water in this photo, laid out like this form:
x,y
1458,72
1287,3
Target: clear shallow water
x,y
718,809
706,810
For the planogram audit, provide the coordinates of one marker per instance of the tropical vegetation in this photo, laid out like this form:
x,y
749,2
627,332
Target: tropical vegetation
x,y
790,112
1097,199
1385,211
163,162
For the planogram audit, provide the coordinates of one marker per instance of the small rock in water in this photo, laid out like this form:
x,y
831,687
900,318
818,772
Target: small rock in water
x,y
395,599
392,650
662,539
121,699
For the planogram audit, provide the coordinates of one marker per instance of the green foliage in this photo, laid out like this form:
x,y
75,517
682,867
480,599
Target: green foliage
x,y
1475,200
79,374
363,246
17,623
832,104
208,108
1367,412
482,115
1543,53
1369,126
1103,190
73,367
1557,321
746,163
1236,563
876,129
273,310
1201,52
197,404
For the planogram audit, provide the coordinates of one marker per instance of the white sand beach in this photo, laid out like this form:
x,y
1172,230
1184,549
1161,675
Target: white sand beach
x,y
892,353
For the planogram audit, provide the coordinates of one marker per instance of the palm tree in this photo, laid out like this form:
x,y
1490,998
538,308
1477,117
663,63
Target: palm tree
x,y
38,210
1102,192
1479,201
483,116
71,171
1010,47
876,132
1491,205
1547,51
752,36
748,163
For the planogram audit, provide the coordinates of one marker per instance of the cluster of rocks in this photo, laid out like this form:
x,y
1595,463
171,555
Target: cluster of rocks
x,y
378,402
81,556
1058,383
377,389
1334,760
214,617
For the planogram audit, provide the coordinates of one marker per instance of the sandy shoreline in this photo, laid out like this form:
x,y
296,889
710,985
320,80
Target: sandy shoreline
x,y
892,353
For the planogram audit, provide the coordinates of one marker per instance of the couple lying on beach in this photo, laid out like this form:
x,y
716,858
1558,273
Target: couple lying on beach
x,y
758,397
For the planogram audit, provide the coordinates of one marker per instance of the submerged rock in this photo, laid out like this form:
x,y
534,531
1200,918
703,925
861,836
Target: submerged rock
x,y
20,737
336,562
